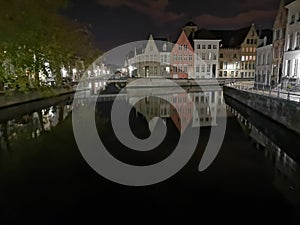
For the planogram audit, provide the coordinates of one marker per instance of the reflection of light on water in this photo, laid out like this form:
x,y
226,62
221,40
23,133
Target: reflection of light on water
x,y
286,170
30,126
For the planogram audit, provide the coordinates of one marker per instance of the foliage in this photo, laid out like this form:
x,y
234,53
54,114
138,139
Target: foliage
x,y
33,33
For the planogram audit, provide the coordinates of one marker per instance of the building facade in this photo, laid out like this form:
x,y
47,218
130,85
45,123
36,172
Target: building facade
x,y
182,58
206,55
291,58
279,31
264,64
152,60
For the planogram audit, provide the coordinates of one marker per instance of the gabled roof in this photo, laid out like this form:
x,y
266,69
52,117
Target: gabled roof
x,y
160,42
231,38
265,33
204,34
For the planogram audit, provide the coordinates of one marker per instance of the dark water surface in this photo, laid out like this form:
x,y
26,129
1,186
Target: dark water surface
x,y
45,180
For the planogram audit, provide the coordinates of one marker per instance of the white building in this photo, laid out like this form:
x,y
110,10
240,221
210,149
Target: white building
x,y
153,60
206,50
264,64
291,58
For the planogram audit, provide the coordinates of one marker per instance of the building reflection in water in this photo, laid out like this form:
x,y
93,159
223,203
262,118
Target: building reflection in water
x,y
286,170
199,109
31,125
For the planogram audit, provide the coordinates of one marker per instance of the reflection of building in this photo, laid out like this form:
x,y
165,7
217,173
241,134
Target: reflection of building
x,y
182,58
197,109
279,29
291,57
181,110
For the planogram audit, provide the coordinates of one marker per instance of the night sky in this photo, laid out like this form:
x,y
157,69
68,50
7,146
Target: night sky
x,y
116,22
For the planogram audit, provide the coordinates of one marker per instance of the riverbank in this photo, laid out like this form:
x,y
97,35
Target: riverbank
x,y
18,98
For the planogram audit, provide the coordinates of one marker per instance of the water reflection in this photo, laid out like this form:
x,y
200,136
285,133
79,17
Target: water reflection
x,y
32,125
198,109
286,170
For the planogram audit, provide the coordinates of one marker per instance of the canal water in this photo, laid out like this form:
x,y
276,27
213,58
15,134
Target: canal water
x,y
45,180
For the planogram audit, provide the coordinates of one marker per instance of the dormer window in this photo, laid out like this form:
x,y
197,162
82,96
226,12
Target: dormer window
x,y
165,47
292,19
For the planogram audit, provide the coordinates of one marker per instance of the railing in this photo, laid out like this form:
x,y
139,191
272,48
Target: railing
x,y
267,91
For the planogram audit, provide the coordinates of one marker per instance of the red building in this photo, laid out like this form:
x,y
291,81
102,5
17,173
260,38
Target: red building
x,y
182,58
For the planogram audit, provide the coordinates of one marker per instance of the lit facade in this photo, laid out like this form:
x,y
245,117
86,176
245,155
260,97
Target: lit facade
x,y
182,58
279,31
291,59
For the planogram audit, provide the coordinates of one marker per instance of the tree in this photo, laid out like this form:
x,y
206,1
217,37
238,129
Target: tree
x,y
33,33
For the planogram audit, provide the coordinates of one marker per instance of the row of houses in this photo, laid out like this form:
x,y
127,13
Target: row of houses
x,y
267,56
198,53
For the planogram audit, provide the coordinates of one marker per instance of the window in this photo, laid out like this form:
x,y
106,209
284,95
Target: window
x,y
174,57
290,42
221,65
185,47
208,68
203,56
248,41
297,40
185,68
203,68
203,46
225,73
180,58
215,56
214,46
198,46
185,57
292,19
220,74
221,56
234,56
197,69
295,67
165,47
209,46
190,57
174,68
180,47
209,56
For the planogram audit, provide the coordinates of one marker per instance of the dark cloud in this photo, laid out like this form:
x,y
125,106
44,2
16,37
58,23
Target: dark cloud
x,y
119,21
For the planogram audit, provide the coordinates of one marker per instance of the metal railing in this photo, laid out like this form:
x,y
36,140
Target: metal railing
x,y
267,91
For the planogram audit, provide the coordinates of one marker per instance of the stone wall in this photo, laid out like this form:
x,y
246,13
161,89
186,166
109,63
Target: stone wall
x,y
282,111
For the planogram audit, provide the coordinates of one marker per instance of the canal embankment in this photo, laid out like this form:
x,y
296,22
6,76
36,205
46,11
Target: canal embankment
x,y
18,98
283,111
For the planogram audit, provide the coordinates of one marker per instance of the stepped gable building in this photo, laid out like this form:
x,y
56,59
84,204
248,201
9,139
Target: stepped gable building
x,y
237,52
182,58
